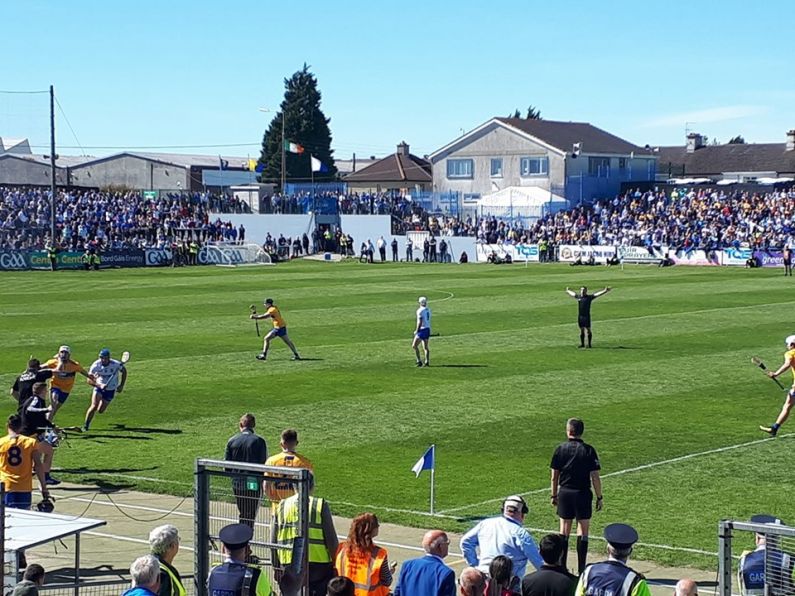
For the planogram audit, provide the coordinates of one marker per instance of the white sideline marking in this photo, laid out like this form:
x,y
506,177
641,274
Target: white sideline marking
x,y
342,536
450,295
634,469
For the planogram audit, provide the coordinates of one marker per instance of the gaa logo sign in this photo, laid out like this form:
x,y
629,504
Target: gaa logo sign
x,y
212,255
158,256
13,260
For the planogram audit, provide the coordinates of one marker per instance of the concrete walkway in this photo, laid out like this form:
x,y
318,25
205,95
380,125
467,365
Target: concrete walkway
x,y
107,552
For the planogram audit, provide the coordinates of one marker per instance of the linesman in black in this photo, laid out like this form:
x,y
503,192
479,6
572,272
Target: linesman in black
x,y
248,447
575,465
584,300
23,384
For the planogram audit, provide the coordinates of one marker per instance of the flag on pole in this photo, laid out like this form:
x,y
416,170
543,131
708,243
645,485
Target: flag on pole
x,y
293,147
317,165
426,462
252,165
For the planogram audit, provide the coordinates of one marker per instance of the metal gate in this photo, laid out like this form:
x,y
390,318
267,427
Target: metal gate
x,y
233,492
778,543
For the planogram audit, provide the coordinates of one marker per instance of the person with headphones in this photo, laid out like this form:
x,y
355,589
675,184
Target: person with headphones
x,y
502,535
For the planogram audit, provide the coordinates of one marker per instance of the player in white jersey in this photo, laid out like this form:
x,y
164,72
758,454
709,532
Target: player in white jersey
x,y
106,383
423,332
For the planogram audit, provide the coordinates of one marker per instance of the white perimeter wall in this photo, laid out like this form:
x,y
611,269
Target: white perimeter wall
x,y
361,227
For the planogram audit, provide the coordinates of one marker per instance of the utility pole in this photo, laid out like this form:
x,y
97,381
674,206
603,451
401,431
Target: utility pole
x,y
53,188
284,160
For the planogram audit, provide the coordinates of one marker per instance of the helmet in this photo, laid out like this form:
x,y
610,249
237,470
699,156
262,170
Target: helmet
x,y
104,353
45,505
790,340
422,300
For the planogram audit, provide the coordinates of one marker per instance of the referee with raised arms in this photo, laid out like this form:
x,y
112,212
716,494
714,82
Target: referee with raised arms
x,y
575,465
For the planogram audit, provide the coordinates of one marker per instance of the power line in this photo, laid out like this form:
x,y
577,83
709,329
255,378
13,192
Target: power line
x,y
69,124
23,92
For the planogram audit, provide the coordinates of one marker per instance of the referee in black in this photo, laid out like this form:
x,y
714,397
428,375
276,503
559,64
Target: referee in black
x,y
248,447
584,300
575,465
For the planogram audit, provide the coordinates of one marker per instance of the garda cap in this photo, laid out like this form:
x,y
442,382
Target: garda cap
x,y
236,536
621,535
764,518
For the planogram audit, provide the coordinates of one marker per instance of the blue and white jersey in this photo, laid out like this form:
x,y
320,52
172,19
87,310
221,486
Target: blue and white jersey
x,y
107,375
424,317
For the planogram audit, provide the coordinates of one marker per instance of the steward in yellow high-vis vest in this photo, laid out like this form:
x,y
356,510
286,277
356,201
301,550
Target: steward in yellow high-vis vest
x,y
323,541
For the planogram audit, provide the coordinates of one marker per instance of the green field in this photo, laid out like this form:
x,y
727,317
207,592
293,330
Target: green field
x,y
669,376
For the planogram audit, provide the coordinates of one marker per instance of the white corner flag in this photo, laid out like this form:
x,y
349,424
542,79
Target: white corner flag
x,y
427,462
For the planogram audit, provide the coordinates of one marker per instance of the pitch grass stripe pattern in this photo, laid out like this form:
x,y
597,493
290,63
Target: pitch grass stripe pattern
x,y
668,376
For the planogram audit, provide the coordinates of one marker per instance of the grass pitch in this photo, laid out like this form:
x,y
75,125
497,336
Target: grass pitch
x,y
669,376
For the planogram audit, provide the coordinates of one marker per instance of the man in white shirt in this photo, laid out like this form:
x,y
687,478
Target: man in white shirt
x,y
106,372
502,535
423,332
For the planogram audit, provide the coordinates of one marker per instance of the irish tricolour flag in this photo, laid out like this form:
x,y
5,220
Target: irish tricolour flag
x,y
293,147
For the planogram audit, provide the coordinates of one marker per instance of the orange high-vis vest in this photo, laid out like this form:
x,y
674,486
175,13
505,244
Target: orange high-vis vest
x,y
363,570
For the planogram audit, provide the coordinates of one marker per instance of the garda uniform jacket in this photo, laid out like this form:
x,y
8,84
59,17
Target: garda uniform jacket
x,y
234,578
611,578
751,571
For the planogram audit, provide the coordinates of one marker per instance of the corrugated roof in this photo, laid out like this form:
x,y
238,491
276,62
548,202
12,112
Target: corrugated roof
x,y
712,160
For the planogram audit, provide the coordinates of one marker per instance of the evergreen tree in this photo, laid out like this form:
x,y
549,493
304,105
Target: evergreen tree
x,y
533,113
738,140
305,125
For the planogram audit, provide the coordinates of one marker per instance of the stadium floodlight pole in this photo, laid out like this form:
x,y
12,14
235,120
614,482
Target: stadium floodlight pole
x,y
52,166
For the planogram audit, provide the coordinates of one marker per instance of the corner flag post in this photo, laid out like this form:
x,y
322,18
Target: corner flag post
x,y
427,462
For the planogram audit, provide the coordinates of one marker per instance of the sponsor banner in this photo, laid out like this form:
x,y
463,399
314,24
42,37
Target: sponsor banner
x,y
735,256
14,260
769,258
65,259
695,257
128,257
221,255
157,257
569,253
518,252
637,254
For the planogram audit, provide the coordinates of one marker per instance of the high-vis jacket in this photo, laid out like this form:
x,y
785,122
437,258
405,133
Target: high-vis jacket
x,y
287,522
364,570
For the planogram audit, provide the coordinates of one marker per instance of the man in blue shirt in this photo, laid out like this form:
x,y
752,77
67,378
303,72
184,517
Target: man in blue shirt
x,y
428,575
502,535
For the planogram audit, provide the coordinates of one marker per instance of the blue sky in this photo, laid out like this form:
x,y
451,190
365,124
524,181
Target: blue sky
x,y
174,73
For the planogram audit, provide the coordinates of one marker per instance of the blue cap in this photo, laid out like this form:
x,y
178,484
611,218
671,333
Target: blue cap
x,y
236,536
621,535
104,353
764,518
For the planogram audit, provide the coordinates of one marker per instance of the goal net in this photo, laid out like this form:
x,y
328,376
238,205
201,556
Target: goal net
x,y
227,254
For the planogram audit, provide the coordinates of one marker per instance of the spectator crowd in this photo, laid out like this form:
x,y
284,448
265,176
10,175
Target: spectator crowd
x,y
700,218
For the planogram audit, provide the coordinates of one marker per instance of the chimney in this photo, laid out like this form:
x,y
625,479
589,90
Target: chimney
x,y
791,140
694,141
403,148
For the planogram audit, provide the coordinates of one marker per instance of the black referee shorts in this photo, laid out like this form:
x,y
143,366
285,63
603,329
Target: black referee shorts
x,y
584,321
574,504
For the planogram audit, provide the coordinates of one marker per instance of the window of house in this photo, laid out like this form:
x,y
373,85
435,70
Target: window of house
x,y
599,166
459,168
534,166
622,163
496,167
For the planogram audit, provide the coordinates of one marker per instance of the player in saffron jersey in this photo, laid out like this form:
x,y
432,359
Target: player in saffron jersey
x,y
19,458
279,329
789,364
63,378
106,383
422,333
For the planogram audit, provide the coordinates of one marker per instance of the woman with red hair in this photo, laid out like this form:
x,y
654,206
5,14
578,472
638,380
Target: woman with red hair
x,y
361,561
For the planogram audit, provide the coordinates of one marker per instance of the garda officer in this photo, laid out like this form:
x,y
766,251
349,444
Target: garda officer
x,y
95,261
194,251
234,577
323,542
613,577
86,260
751,571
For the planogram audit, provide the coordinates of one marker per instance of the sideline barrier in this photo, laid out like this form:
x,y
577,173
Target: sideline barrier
x,y
21,260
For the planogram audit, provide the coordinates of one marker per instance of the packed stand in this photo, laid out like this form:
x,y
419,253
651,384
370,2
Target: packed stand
x,y
113,220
